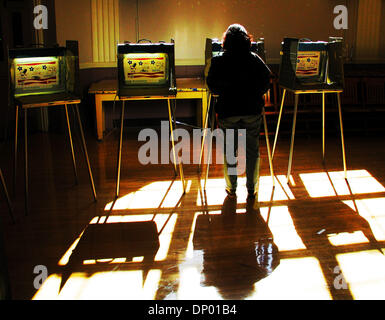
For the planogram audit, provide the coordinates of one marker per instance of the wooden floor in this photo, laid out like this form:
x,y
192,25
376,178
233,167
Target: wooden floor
x,y
319,238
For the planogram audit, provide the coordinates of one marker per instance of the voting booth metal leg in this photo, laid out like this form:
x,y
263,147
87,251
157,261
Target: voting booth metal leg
x,y
119,164
278,123
268,147
171,118
170,122
210,146
296,95
292,137
26,178
205,125
71,145
323,128
15,148
7,196
342,134
26,189
85,152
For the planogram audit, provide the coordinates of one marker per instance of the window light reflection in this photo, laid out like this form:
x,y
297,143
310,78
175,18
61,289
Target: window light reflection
x,y
364,273
304,273
190,248
190,287
303,279
360,181
215,190
64,259
163,221
345,238
111,285
163,194
373,211
282,228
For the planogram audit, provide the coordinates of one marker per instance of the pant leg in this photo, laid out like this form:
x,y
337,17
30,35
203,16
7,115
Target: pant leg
x,y
252,124
229,169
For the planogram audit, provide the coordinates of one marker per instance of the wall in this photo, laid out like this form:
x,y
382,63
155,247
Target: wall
x,y
190,22
368,30
73,22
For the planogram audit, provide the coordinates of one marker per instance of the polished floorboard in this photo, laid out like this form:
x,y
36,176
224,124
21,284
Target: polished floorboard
x,y
319,237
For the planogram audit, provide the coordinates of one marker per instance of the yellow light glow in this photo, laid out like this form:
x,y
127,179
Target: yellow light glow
x,y
286,189
190,247
163,194
364,273
137,259
291,180
317,184
282,228
34,59
345,238
107,260
163,221
215,190
51,286
64,260
303,279
373,211
360,181
190,287
113,285
165,237
122,219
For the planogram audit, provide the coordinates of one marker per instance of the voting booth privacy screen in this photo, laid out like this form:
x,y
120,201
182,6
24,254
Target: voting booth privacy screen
x,y
43,71
311,65
214,48
146,69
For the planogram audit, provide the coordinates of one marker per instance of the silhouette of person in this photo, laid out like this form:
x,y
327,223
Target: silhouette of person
x,y
240,78
238,251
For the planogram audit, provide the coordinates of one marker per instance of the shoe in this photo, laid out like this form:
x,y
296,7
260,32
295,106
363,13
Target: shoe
x,y
252,203
229,206
251,195
231,194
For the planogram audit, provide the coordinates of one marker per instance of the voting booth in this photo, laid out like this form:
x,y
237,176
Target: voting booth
x,y
214,47
45,72
46,77
146,69
307,65
311,67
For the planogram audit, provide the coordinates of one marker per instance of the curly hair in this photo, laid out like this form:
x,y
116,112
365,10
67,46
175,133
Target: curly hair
x,y
237,39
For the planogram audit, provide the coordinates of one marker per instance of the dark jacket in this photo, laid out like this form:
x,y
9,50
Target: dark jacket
x,y
240,80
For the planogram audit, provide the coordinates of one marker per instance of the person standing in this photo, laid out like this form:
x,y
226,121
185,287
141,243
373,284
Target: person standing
x,y
240,78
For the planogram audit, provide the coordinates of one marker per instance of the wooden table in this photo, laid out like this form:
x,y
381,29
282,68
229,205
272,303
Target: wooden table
x,y
187,88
